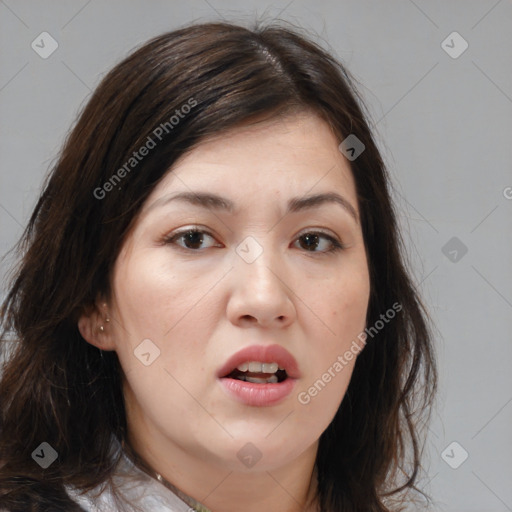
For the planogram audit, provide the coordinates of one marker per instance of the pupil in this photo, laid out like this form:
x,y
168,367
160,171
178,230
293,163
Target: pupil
x,y
193,237
311,240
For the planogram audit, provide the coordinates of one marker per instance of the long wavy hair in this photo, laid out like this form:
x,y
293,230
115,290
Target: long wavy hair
x,y
56,387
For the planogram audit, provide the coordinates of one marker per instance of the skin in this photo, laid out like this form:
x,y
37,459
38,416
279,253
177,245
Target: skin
x,y
201,305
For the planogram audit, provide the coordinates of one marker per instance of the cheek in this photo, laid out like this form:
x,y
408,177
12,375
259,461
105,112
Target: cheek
x,y
154,303
319,400
157,303
342,307
348,308
346,302
153,297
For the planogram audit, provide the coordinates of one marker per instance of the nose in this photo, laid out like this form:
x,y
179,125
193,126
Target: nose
x,y
261,293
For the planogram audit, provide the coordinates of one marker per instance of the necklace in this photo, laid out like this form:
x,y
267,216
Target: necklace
x,y
191,502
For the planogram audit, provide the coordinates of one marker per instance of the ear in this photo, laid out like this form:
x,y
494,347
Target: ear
x,y
95,326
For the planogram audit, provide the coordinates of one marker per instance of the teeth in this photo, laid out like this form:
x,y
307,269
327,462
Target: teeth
x,y
269,367
257,367
256,380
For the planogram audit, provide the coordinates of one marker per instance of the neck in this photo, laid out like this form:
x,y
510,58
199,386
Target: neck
x,y
207,487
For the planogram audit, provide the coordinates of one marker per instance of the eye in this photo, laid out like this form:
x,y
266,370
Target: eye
x,y
192,238
313,240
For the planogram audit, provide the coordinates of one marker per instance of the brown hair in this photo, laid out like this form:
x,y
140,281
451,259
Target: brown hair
x,y
57,388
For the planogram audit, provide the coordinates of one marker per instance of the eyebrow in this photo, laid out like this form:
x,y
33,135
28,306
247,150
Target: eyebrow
x,y
215,202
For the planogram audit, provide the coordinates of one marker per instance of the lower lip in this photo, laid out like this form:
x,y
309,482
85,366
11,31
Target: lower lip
x,y
259,395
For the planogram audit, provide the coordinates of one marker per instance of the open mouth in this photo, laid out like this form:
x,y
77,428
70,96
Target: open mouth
x,y
260,364
258,377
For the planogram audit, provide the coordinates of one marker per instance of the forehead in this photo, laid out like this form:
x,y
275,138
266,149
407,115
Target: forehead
x,y
286,156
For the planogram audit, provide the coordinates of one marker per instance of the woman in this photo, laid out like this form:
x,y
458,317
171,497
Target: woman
x,y
212,306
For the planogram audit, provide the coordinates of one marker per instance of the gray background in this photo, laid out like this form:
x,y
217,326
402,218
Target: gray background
x,y
444,125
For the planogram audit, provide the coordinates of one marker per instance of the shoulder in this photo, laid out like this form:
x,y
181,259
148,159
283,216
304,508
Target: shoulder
x,y
31,495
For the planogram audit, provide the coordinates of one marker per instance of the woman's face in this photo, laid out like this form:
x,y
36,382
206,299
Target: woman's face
x,y
262,272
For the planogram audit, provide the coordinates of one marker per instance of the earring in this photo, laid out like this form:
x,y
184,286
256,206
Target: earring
x,y
107,319
102,329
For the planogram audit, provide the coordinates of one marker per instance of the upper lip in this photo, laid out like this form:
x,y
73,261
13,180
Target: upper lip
x,y
264,354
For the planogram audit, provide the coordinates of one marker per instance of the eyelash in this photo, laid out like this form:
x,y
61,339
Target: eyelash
x,y
171,239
